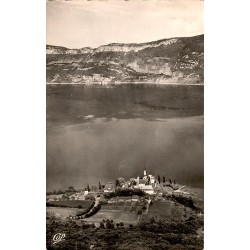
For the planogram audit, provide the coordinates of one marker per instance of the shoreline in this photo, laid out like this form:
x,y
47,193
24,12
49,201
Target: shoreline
x,y
125,83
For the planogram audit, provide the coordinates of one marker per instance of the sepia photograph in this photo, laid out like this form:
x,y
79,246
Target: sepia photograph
x,y
117,133
125,124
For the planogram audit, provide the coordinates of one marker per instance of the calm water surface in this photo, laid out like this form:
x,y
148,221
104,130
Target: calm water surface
x,y
98,134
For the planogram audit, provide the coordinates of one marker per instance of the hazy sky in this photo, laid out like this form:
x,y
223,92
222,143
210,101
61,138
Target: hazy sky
x,y
82,23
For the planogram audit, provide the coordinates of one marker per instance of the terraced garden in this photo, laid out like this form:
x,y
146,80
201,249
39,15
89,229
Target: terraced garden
x,y
167,210
67,208
125,212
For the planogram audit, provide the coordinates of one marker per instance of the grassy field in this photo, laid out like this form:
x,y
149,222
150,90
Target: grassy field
x,y
125,212
115,215
62,211
123,206
71,203
166,210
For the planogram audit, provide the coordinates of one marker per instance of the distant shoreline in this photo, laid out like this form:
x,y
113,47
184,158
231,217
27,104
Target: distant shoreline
x,y
125,83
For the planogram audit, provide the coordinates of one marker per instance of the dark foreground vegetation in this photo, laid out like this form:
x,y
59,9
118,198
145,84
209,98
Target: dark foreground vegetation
x,y
151,235
185,201
124,192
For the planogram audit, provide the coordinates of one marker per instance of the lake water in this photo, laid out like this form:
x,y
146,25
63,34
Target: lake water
x,y
95,133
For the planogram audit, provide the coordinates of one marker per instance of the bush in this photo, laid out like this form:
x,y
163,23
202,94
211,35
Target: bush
x,y
93,211
152,220
172,238
55,205
85,211
139,212
124,192
187,202
167,227
109,225
85,226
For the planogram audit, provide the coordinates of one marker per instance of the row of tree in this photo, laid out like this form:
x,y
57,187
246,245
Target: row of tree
x,y
118,183
70,189
164,180
94,188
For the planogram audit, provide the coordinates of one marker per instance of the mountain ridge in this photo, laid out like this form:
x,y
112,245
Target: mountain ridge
x,y
172,60
109,44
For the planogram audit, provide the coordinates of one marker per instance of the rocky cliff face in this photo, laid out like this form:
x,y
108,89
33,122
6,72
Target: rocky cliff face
x,y
167,61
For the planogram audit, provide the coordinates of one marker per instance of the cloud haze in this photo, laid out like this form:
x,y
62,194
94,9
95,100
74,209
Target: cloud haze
x,y
77,24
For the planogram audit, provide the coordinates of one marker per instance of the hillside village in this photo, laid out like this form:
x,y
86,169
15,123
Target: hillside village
x,y
135,207
147,183
122,200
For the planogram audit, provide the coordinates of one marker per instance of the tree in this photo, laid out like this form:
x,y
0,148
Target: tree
x,y
159,179
109,225
88,189
60,191
120,181
170,181
139,212
163,179
71,189
64,197
148,180
100,186
174,181
152,220
116,183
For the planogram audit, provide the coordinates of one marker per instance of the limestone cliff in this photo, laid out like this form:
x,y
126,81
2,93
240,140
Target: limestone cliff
x,y
167,61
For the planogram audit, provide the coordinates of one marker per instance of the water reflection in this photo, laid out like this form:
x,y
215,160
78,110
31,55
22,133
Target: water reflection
x,y
95,137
